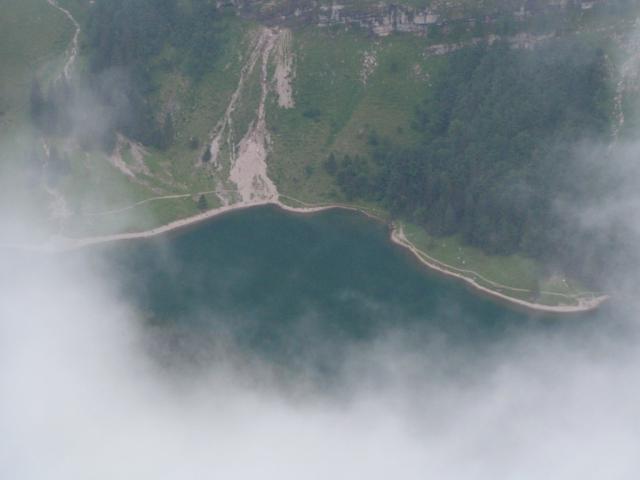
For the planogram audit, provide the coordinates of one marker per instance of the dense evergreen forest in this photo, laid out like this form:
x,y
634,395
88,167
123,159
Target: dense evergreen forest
x,y
498,154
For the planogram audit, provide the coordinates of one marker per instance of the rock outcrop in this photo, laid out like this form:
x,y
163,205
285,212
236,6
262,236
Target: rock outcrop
x,y
383,18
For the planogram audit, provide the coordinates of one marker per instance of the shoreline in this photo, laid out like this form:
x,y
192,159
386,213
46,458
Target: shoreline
x,y
397,237
584,305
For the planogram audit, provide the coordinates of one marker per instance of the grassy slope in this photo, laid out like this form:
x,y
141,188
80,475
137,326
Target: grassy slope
x,y
33,38
514,271
335,112
196,107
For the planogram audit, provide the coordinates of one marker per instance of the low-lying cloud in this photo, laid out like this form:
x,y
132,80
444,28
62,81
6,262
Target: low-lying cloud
x,y
82,398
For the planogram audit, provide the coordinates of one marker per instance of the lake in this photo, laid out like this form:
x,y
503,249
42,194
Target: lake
x,y
303,290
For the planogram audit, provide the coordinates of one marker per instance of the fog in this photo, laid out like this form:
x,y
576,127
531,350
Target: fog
x,y
83,396
84,393
88,390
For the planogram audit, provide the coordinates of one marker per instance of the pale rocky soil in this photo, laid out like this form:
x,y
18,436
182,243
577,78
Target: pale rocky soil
x,y
249,170
247,158
138,153
285,72
223,131
369,64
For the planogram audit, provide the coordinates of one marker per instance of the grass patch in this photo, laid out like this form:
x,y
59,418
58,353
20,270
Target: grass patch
x,y
139,218
513,275
197,106
340,103
33,39
512,270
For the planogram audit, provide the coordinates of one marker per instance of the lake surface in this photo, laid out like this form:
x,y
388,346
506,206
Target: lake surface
x,y
304,289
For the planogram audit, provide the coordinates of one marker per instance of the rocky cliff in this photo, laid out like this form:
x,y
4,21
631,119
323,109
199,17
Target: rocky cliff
x,y
442,16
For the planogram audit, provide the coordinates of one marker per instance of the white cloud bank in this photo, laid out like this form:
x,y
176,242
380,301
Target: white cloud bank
x,y
80,398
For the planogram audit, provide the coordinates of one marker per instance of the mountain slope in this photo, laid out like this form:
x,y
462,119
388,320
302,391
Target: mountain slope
x,y
276,107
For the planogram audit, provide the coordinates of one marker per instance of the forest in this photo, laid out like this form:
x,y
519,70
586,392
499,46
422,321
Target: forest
x,y
128,42
499,162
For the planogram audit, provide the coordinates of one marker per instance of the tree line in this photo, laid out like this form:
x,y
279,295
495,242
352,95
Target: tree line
x,y
497,163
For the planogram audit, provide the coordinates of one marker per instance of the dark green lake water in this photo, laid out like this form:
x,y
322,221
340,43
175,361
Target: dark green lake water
x,y
307,287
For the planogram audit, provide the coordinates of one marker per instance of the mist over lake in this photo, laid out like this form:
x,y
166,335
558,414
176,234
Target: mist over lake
x,y
308,288
299,345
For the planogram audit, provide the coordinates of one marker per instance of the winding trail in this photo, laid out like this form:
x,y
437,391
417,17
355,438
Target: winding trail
x,y
584,303
62,243
148,200
401,236
73,48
